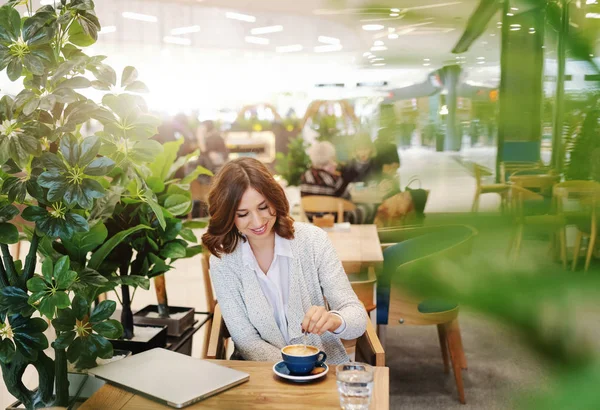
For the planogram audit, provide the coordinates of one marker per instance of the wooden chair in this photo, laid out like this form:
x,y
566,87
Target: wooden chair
x,y
327,204
211,302
367,348
417,249
586,195
481,188
199,193
365,288
535,211
508,168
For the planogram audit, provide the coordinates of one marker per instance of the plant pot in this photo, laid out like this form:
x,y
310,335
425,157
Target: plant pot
x,y
81,384
182,318
139,343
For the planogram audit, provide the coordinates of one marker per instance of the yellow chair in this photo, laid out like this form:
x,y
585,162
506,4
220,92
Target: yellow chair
x,y
536,211
406,309
508,168
586,194
327,204
366,348
481,188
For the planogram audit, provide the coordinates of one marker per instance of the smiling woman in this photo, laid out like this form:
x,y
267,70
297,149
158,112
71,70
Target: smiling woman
x,y
272,276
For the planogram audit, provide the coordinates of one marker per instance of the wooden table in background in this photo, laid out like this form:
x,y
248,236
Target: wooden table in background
x,y
358,248
263,391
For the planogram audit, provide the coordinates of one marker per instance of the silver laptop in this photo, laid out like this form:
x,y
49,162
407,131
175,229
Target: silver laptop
x,y
169,378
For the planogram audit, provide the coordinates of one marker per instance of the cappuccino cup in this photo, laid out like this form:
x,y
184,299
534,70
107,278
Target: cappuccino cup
x,y
302,359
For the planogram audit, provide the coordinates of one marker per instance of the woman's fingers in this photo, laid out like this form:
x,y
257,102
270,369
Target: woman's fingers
x,y
318,313
307,316
321,323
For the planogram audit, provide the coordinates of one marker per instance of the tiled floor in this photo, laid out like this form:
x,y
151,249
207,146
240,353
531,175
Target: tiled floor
x,y
452,190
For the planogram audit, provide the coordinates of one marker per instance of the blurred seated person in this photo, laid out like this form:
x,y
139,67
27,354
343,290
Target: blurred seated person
x,y
362,167
388,161
323,179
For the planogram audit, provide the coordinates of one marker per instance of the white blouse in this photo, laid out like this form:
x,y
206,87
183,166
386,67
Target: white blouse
x,y
275,284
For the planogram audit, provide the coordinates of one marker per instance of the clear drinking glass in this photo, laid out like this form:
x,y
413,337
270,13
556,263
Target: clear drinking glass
x,y
355,385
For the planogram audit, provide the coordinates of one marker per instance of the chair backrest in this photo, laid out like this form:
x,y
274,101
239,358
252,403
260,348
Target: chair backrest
x,y
538,182
219,337
365,289
508,168
586,193
327,204
420,253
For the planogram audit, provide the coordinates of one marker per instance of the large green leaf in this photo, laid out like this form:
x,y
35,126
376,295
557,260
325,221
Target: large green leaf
x,y
28,335
188,235
7,350
14,300
90,277
128,76
177,204
111,329
81,243
149,198
173,250
195,174
8,233
99,255
74,83
65,320
161,165
103,311
64,340
105,347
80,307
78,34
10,22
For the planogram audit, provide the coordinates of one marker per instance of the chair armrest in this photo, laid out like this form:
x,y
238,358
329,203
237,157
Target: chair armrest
x,y
217,345
369,348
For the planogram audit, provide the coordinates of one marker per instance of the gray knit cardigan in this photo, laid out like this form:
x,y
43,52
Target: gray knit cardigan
x,y
316,274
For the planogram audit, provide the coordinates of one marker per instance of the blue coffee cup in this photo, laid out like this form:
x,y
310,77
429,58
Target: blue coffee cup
x,y
301,360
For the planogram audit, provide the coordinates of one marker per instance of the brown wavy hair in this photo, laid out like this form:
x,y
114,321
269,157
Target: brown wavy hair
x,y
225,195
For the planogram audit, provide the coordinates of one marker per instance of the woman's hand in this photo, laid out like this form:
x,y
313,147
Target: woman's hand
x,y
318,321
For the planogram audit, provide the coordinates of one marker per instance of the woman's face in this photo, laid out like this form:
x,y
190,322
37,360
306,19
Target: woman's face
x,y
254,217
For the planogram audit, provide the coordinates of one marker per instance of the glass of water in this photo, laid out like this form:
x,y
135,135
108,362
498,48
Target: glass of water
x,y
355,385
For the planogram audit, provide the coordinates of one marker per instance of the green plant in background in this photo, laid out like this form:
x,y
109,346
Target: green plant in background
x,y
295,163
158,202
327,127
63,182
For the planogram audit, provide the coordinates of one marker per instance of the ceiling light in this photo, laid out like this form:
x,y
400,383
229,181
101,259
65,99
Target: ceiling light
x,y
140,17
378,64
481,62
406,30
328,48
426,59
328,40
371,57
395,10
481,58
515,25
372,27
509,14
266,30
256,40
379,48
108,29
514,8
426,64
378,43
515,28
591,2
378,59
393,36
51,2
367,54
185,30
394,14
289,49
492,35
177,40
241,17
592,16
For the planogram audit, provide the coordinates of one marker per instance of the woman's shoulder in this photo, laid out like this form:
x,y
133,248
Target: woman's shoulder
x,y
305,232
226,259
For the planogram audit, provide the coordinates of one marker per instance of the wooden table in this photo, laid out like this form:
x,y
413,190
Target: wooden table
x,y
263,391
358,248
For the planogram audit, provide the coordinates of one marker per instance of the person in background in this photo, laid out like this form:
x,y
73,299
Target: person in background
x,y
362,167
322,178
275,278
388,161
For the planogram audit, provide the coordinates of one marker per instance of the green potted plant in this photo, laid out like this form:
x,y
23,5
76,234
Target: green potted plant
x,y
60,180
292,165
149,254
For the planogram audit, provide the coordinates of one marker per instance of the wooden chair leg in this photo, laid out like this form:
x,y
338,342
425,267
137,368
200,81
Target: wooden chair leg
x,y
463,358
563,247
475,206
518,241
576,250
444,346
591,245
454,346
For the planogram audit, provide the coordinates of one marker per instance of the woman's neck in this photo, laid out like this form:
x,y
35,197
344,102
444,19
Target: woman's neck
x,y
262,244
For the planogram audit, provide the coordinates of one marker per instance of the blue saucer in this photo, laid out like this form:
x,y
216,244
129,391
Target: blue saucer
x,y
281,370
